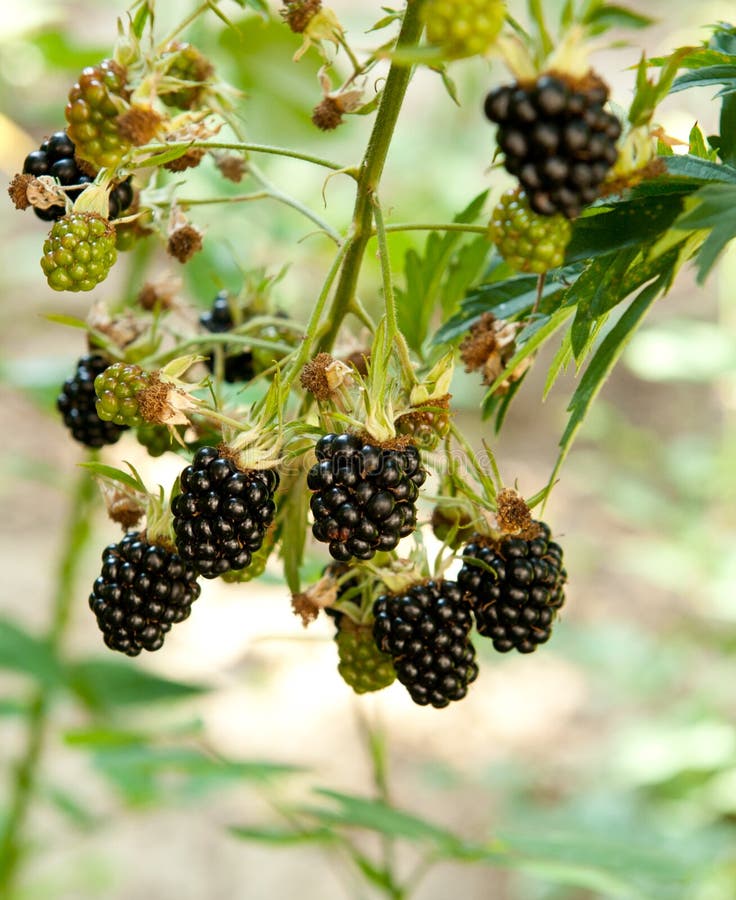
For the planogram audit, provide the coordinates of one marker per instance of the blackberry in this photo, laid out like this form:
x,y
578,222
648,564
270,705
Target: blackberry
x,y
516,598
426,629
55,157
95,102
364,495
222,514
76,403
78,252
527,241
156,439
187,65
557,139
361,664
142,590
238,366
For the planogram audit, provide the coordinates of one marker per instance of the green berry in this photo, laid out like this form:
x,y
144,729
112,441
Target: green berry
x,y
527,241
94,104
155,438
426,427
189,66
362,665
78,252
464,27
117,389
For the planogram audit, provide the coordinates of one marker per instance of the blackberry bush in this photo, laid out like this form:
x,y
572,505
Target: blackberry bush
x,y
557,139
143,589
77,405
426,630
222,513
516,593
364,496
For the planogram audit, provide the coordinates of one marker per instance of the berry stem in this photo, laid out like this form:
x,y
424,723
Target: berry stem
x,y
371,169
149,149
431,226
26,774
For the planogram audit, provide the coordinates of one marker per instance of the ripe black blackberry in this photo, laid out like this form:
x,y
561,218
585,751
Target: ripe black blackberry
x,y
238,366
364,495
557,139
515,600
77,400
222,514
55,157
142,590
426,629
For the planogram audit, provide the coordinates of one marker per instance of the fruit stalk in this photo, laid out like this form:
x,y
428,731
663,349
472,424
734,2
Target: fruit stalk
x,y
370,173
78,534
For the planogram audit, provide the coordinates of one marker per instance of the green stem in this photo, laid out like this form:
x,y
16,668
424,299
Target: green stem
x,y
77,535
241,148
370,173
442,226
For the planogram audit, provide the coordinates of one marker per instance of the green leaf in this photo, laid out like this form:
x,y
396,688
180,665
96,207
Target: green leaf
x,y
709,75
374,815
292,520
141,18
70,321
686,166
601,365
726,142
649,93
284,837
68,803
21,652
163,156
105,683
698,146
110,473
613,16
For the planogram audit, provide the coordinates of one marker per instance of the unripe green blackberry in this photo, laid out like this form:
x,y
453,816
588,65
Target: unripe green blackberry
x,y
78,252
527,241
426,629
187,65
361,664
76,403
95,102
464,27
117,389
143,589
426,427
517,591
155,438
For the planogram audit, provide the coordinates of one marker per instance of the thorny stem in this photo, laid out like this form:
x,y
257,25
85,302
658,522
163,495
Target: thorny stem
x,y
153,149
78,533
370,173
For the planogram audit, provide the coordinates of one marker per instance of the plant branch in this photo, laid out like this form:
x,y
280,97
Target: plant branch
x,y
78,532
370,173
153,149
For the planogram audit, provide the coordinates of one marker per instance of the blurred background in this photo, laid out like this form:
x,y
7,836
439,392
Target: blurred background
x,y
607,760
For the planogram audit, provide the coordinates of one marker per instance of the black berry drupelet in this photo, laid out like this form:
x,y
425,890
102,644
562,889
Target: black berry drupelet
x,y
515,600
364,495
222,514
142,590
426,630
55,157
239,365
76,403
557,138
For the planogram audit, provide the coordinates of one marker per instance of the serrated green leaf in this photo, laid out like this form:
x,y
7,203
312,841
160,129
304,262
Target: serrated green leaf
x,y
105,683
21,652
686,166
601,365
698,146
705,76
709,207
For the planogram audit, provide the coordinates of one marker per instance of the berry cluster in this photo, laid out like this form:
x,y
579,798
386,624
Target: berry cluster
x,y
95,102
517,591
464,27
364,495
142,590
218,320
78,252
557,139
426,629
222,514
55,157
77,400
